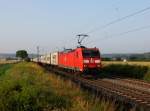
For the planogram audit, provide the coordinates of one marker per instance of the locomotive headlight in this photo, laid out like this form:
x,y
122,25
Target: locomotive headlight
x,y
97,61
85,61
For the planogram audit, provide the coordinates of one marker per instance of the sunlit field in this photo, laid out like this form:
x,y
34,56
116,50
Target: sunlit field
x,y
128,62
7,61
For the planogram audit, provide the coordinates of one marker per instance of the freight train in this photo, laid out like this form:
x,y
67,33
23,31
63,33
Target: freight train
x,y
80,59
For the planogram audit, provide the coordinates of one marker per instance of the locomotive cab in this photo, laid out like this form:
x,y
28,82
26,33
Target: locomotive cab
x,y
91,59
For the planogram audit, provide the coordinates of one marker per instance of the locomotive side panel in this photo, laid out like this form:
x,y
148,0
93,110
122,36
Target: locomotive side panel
x,y
61,59
66,60
71,60
78,59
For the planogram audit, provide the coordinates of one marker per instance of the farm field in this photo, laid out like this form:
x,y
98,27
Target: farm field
x,y
128,62
28,86
7,61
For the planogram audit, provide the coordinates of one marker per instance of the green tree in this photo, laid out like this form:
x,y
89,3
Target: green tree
x,y
22,54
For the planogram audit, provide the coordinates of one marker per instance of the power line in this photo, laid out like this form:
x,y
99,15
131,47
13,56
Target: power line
x,y
134,30
123,33
119,20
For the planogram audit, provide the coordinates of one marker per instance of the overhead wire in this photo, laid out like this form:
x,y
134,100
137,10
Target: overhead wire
x,y
122,33
118,20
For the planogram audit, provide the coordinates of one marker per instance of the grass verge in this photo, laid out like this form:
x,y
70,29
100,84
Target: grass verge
x,y
26,87
4,68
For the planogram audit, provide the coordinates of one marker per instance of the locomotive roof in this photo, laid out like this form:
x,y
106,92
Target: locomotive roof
x,y
71,50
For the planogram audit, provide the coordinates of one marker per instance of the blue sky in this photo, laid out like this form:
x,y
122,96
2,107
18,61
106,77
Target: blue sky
x,y
53,24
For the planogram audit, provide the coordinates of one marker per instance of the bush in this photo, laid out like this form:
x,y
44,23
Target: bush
x,y
133,71
106,59
147,76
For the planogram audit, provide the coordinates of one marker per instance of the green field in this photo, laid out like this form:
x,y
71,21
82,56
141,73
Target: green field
x,y
28,87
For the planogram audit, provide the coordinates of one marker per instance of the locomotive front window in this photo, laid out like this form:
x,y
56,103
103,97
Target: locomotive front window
x,y
90,53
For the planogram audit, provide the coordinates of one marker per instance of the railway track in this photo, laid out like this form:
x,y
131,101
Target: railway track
x,y
133,81
129,83
139,95
130,91
133,94
137,82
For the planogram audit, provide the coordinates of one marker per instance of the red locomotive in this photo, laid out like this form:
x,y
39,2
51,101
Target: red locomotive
x,y
80,59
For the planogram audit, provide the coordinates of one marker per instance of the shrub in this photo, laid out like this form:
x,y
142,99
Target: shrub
x,y
147,76
133,71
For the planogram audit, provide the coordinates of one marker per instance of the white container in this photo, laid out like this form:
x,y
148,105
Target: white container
x,y
35,60
54,58
42,59
48,58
